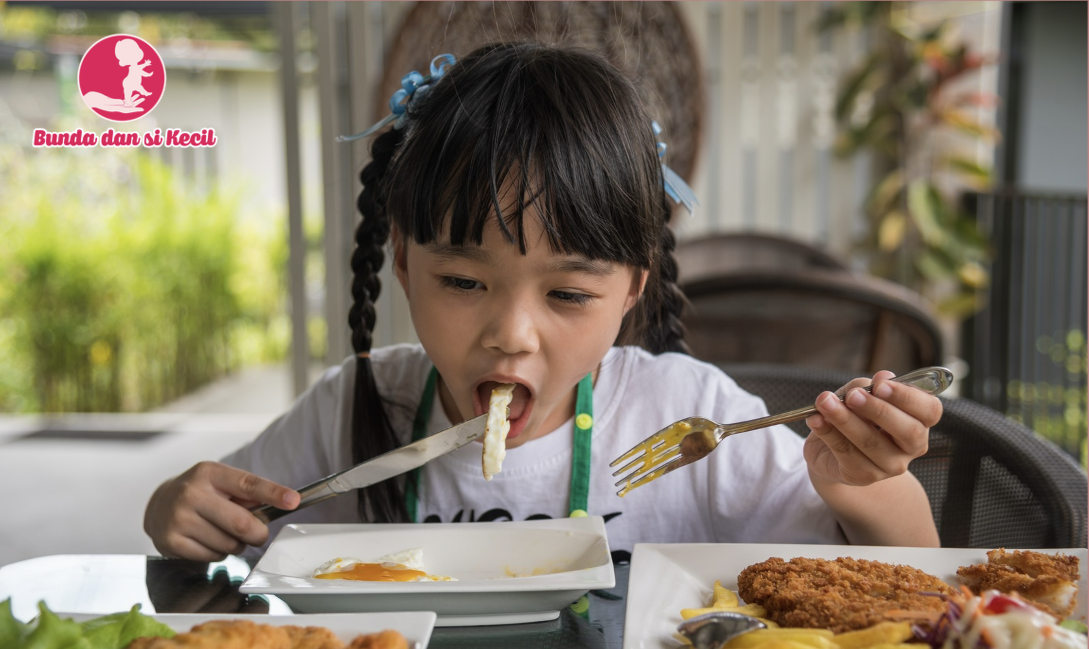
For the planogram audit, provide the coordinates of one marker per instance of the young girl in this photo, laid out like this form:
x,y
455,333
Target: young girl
x,y
524,201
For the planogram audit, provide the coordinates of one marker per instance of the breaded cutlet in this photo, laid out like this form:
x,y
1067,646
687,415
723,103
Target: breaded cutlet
x,y
841,595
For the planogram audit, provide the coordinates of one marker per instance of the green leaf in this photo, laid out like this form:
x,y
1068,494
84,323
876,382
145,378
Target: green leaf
x,y
965,123
973,173
934,266
879,127
926,209
12,631
52,632
1074,625
856,81
886,194
119,629
960,305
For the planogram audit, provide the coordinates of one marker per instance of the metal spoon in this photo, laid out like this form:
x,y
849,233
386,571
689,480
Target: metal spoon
x,y
713,630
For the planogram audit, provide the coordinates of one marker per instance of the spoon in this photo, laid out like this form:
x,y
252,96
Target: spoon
x,y
713,630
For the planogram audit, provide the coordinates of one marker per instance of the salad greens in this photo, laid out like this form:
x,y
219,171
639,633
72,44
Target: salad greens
x,y
49,631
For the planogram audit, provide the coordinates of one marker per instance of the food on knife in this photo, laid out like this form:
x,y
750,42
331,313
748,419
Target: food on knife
x,y
243,634
406,565
1047,581
840,595
495,432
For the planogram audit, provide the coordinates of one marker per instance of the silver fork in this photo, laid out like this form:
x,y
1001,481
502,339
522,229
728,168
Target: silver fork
x,y
691,439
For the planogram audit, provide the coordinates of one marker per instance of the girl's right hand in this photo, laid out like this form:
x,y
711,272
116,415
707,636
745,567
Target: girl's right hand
x,y
203,514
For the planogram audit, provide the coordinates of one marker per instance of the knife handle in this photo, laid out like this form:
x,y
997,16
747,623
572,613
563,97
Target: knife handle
x,y
311,494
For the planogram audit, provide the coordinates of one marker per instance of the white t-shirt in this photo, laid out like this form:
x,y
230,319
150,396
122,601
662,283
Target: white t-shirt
x,y
753,488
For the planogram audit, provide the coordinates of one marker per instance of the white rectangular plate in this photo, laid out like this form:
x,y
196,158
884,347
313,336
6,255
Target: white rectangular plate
x,y
507,572
415,626
665,578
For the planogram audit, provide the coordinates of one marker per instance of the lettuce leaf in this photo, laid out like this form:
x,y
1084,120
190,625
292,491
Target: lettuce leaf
x,y
49,631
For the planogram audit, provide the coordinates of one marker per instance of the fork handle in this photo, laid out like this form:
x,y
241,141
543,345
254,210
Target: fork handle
x,y
932,380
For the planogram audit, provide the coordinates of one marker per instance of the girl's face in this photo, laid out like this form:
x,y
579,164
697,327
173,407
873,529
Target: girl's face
x,y
488,315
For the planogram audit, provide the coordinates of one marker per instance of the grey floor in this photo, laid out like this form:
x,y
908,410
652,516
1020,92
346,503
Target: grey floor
x,y
86,494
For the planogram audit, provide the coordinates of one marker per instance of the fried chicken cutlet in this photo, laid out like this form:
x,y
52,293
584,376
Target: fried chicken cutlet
x,y
1047,581
245,634
841,595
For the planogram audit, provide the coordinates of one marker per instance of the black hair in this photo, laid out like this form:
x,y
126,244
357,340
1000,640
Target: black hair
x,y
566,131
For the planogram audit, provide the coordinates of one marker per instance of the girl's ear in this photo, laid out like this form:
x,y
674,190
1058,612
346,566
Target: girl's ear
x,y
638,285
400,259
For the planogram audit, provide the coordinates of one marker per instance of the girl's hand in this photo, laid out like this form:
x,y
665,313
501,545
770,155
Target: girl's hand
x,y
203,514
869,437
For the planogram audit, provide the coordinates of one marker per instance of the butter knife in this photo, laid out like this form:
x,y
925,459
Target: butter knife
x,y
387,465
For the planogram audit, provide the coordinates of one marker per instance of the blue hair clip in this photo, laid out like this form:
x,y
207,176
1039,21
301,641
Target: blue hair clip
x,y
675,186
414,87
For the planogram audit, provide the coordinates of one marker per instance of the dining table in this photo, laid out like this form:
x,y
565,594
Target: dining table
x,y
112,583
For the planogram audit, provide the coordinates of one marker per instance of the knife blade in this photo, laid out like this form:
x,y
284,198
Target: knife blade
x,y
385,466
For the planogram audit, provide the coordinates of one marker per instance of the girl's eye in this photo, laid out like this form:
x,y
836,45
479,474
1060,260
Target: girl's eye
x,y
572,298
462,284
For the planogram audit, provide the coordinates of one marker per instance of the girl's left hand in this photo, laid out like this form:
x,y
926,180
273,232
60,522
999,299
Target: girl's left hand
x,y
869,437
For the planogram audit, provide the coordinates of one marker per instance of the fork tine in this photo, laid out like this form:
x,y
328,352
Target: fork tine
x,y
654,456
676,463
641,446
650,466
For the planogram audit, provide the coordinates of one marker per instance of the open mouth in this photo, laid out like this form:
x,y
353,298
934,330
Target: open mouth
x,y
521,404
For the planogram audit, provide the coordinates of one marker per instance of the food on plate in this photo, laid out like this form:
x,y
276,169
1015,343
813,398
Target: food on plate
x,y
243,634
48,630
134,630
724,599
885,635
495,432
1047,581
406,565
844,594
995,620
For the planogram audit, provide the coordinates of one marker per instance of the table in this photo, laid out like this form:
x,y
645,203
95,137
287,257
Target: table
x,y
109,583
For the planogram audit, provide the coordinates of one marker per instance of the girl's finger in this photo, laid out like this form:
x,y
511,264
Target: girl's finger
x,y
924,407
232,521
905,431
862,451
245,486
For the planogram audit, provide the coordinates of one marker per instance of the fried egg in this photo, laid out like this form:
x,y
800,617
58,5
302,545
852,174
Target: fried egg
x,y
406,565
495,432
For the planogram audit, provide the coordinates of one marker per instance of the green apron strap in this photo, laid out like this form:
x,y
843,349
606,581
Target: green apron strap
x,y
419,431
580,451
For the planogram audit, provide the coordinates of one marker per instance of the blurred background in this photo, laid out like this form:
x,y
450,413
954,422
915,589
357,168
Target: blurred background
x,y
882,185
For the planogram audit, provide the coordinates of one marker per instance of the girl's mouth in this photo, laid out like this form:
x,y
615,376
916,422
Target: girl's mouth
x,y
521,405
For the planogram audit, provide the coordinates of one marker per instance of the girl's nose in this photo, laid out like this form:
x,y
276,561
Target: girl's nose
x,y
512,329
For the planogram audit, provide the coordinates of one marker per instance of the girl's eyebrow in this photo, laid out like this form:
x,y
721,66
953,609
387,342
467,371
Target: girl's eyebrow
x,y
450,251
567,264
577,264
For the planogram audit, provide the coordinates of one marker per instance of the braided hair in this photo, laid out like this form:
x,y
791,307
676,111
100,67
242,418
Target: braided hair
x,y
568,133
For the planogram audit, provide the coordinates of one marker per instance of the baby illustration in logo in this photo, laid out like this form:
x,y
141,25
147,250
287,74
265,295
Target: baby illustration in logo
x,y
112,74
128,54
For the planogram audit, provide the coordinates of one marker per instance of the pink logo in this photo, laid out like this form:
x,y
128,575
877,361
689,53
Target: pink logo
x,y
121,78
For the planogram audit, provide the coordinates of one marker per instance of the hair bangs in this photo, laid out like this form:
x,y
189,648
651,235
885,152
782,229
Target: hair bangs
x,y
532,131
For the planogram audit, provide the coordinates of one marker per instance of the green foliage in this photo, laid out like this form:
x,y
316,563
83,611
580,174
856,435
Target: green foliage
x,y
1056,411
898,104
123,287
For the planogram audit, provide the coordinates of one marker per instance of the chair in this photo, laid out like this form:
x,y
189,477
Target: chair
x,y
991,481
762,299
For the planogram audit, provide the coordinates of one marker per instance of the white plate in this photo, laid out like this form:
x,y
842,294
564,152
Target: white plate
x,y
668,577
561,559
415,627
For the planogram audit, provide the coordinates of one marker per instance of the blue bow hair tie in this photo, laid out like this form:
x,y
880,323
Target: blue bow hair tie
x,y
675,186
414,87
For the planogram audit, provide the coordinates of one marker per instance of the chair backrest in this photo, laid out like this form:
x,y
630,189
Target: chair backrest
x,y
785,302
991,481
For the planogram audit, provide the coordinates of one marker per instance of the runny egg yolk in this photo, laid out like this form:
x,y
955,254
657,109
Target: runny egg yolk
x,y
376,572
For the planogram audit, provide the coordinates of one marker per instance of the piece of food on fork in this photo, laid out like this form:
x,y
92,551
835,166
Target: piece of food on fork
x,y
495,432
